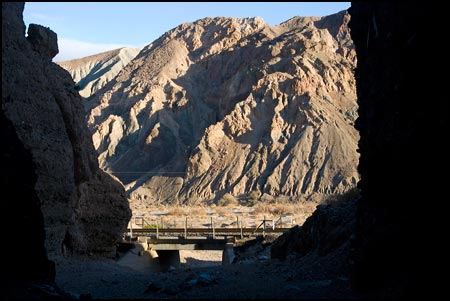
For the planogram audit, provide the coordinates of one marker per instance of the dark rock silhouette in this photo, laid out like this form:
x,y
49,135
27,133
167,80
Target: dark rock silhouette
x,y
397,118
392,241
58,197
43,40
330,227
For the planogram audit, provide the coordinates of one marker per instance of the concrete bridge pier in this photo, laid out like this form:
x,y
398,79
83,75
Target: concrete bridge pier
x,y
169,258
228,254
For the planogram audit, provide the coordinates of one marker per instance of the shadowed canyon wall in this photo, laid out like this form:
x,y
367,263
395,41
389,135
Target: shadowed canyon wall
x,y
398,120
391,233
72,205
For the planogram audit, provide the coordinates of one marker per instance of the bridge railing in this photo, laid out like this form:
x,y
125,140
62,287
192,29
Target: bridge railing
x,y
161,222
143,226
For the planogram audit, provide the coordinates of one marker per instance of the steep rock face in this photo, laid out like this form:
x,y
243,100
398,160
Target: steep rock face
x,y
83,208
30,263
401,114
233,105
93,72
394,241
326,230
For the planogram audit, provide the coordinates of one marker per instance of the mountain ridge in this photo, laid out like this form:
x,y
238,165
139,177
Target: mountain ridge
x,y
93,72
227,105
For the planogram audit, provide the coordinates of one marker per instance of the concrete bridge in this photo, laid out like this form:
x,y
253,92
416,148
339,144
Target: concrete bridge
x,y
167,249
165,243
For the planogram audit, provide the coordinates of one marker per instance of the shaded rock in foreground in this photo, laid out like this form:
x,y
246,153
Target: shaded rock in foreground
x,y
330,227
83,208
402,111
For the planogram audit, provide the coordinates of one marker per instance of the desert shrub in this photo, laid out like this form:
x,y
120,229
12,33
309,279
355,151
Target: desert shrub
x,y
253,195
267,198
248,202
197,211
262,208
150,226
226,200
176,211
250,199
279,209
221,211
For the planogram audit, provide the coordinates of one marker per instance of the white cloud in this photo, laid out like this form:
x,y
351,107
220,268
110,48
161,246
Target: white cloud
x,y
41,17
73,49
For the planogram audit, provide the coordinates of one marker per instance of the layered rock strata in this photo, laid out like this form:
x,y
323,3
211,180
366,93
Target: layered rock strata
x,y
232,106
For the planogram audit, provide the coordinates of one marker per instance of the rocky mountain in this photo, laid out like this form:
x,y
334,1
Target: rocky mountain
x,y
226,105
55,186
93,72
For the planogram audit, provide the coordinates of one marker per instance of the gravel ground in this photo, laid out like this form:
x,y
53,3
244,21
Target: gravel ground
x,y
253,276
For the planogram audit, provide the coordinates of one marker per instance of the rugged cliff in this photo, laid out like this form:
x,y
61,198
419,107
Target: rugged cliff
x,y
93,72
232,106
82,208
390,235
402,112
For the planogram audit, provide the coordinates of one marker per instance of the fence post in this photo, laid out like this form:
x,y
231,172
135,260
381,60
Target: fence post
x,y
185,227
242,234
281,221
131,230
157,231
264,226
213,228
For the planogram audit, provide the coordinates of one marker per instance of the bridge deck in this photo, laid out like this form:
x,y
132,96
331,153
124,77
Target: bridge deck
x,y
187,244
196,238
206,231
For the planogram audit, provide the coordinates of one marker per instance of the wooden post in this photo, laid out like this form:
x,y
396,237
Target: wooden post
x,y
264,226
131,230
157,231
281,221
162,223
242,234
185,227
214,230
210,226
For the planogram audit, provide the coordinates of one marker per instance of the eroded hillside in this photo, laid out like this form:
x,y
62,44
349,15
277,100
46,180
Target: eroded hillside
x,y
93,72
232,106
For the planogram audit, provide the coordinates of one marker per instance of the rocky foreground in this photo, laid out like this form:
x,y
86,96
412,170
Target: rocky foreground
x,y
308,262
55,191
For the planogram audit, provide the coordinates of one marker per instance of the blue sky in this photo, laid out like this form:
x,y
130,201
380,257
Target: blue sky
x,y
86,28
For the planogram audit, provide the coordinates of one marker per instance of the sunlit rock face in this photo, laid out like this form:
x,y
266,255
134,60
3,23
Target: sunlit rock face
x,y
83,208
227,105
92,73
